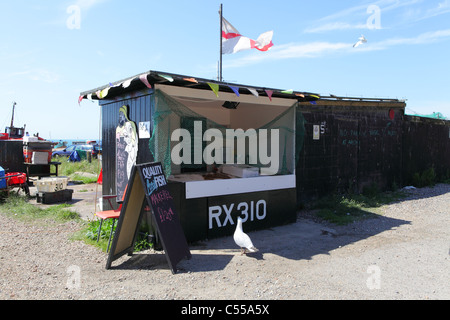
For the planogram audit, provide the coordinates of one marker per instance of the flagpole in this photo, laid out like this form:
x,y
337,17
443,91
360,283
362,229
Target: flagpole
x,y
220,59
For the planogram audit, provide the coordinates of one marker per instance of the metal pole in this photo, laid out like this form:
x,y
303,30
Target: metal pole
x,y
12,117
220,60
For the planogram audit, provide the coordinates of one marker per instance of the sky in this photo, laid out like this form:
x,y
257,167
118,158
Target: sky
x,y
51,51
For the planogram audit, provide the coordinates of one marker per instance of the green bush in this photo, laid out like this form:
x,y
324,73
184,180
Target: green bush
x,y
425,179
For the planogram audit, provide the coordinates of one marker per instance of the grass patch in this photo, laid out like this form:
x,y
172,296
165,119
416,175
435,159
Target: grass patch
x,y
83,179
89,232
345,209
73,170
19,208
89,235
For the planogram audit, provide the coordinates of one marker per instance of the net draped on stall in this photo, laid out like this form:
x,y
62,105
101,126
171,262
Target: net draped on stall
x,y
170,114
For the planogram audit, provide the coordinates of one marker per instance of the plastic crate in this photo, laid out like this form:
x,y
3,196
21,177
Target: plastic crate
x,y
52,184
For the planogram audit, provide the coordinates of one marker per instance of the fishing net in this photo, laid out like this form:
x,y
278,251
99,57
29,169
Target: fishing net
x,y
223,143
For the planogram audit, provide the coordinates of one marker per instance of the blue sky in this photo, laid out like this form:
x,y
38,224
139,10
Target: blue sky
x,y
48,56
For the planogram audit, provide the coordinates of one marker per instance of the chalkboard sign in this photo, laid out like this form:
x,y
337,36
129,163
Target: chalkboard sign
x,y
149,183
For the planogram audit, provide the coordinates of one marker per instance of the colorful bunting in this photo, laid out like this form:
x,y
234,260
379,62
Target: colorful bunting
x,y
104,93
253,91
127,83
269,94
190,80
235,90
101,94
214,87
143,78
168,78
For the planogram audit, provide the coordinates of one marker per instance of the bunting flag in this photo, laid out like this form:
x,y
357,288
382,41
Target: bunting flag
x,y
168,78
190,80
233,41
127,83
143,78
214,87
253,91
104,93
235,90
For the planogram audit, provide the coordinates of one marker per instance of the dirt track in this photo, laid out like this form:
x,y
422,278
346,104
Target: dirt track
x,y
403,254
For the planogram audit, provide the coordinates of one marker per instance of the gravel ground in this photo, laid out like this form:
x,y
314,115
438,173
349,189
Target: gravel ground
x,y
403,254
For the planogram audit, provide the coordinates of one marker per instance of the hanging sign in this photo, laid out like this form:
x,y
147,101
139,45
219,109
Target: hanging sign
x,y
148,182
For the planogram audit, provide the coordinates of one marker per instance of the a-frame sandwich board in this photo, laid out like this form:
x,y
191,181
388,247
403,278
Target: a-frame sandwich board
x,y
148,183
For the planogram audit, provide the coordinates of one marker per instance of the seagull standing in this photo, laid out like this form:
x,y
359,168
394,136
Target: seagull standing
x,y
242,239
361,40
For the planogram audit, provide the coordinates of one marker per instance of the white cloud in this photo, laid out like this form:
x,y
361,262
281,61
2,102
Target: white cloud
x,y
335,26
88,4
441,8
357,17
291,51
36,74
318,49
424,38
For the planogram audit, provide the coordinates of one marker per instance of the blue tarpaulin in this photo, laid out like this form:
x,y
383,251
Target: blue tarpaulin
x,y
74,157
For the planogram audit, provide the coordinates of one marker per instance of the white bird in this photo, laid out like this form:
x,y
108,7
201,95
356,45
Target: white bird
x,y
361,40
242,239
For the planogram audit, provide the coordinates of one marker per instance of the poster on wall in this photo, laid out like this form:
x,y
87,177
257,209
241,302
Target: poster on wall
x,y
144,130
316,132
126,150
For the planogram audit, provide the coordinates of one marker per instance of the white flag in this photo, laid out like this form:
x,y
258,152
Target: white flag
x,y
233,41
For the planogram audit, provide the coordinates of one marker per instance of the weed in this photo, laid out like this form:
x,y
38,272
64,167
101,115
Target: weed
x,y
89,235
425,179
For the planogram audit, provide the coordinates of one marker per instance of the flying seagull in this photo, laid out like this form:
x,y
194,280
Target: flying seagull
x,y
242,239
361,40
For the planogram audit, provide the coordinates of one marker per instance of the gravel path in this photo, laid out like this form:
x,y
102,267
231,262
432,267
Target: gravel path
x,y
403,254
